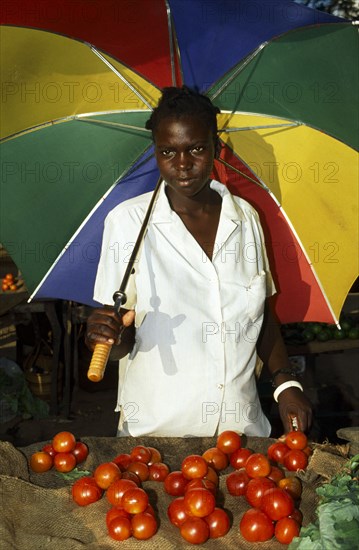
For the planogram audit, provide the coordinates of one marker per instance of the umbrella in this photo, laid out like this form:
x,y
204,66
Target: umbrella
x,y
78,89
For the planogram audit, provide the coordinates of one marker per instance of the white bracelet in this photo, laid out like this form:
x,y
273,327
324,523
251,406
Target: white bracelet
x,y
285,386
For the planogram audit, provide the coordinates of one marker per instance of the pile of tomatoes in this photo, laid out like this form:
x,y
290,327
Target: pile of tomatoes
x,y
273,496
63,453
9,283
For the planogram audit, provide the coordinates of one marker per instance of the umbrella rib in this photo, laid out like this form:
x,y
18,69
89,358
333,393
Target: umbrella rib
x,y
112,124
170,35
237,71
117,73
237,171
263,127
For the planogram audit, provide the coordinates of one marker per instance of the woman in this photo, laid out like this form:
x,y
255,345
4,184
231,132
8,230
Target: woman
x,y
196,313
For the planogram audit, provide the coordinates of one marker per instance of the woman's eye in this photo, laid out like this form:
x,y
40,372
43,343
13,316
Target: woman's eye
x,y
198,149
167,153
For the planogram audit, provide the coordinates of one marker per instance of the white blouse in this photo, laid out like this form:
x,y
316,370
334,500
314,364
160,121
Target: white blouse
x,y
191,371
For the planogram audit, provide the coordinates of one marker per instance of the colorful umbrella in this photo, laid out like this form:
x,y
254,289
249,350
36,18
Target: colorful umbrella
x,y
74,143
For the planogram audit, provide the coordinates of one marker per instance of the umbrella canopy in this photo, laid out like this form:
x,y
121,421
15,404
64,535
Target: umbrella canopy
x,y
74,143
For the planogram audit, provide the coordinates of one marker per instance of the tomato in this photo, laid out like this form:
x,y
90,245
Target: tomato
x,y
296,440
175,484
292,485
229,441
158,471
195,530
64,442
277,451
144,526
176,512
239,458
255,526
117,489
216,458
140,469
295,460
199,502
194,466
202,484
120,528
114,512
41,462
218,523
277,504
286,529
86,491
237,482
135,501
132,476
140,454
155,455
255,490
257,465
106,473
64,462
150,510
212,475
48,448
276,474
80,451
297,515
122,460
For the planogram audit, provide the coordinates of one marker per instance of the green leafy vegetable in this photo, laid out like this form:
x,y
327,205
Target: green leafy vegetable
x,y
337,523
74,474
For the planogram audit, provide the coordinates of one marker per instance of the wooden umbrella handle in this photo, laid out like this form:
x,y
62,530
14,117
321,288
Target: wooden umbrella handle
x,y
98,363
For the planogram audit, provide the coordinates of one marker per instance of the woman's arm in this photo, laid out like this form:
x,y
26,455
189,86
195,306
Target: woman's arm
x,y
271,349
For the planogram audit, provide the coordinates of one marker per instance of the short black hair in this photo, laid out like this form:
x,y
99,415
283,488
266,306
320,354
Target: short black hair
x,y
178,102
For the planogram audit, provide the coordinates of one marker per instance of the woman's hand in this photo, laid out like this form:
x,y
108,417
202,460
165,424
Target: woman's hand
x,y
293,403
104,326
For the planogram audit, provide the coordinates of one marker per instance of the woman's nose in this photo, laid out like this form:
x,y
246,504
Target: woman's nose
x,y
184,161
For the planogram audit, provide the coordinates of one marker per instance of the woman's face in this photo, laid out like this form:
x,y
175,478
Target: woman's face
x,y
185,151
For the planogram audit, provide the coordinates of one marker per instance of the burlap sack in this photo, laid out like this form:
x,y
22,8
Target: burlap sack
x,y
37,511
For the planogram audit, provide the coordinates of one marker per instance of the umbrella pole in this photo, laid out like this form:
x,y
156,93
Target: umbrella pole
x,y
102,352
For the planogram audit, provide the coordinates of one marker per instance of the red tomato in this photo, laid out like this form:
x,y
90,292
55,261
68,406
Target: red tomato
x,y
195,530
286,529
216,458
120,528
158,471
295,460
194,466
41,462
229,441
116,512
257,465
218,523
238,459
277,451
292,485
199,502
297,515
86,491
140,453
132,476
80,451
49,449
175,484
176,512
122,460
135,501
202,484
212,475
140,469
237,482
155,455
276,474
277,504
64,442
144,526
64,462
255,526
296,440
150,510
256,489
117,489
106,473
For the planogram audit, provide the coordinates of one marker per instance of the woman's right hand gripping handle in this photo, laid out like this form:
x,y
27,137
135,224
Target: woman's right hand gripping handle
x,y
105,329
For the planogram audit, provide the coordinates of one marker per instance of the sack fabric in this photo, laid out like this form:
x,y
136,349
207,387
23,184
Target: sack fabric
x,y
37,510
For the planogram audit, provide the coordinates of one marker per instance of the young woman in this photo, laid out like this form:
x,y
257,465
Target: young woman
x,y
196,313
